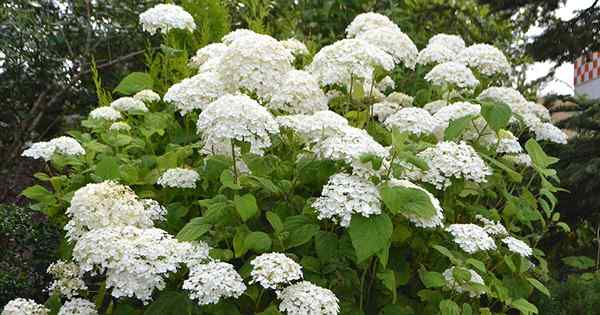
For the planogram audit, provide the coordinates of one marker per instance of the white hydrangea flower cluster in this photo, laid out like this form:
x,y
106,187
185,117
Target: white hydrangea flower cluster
x,y
236,35
491,227
135,260
368,21
414,120
129,104
120,126
197,253
517,246
547,131
45,149
305,298
210,51
471,238
195,92
449,160
349,146
508,143
237,117
210,282
400,98
435,106
434,54
488,59
67,279
510,96
347,60
521,159
345,195
299,93
295,47
454,43
385,109
165,17
78,307
455,111
452,73
21,306
255,63
106,113
433,222
385,84
178,178
147,95
275,270
105,204
319,125
394,42
452,284
155,210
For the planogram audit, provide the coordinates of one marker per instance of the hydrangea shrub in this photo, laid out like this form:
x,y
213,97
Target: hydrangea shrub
x,y
368,178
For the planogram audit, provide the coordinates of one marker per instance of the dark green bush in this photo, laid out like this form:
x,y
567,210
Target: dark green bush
x,y
28,244
579,294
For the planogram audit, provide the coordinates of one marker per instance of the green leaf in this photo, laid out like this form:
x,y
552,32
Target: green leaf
x,y
170,303
38,193
407,201
134,82
579,262
537,154
228,180
108,168
514,176
456,127
326,245
302,235
246,206
193,230
258,241
565,227
476,263
496,115
432,279
449,307
524,306
53,304
275,221
388,279
370,235
538,285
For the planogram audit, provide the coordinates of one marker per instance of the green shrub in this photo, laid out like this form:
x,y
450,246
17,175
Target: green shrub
x,y
28,244
579,294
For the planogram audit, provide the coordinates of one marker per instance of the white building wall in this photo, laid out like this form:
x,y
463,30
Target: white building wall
x,y
590,89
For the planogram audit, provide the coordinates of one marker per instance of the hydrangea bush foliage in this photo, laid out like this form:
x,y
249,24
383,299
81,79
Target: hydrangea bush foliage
x,y
368,178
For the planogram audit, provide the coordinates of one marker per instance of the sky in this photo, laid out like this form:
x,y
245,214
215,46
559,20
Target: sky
x,y
562,82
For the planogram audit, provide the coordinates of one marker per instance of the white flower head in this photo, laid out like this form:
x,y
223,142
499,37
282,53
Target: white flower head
x,y
513,98
435,106
67,146
210,51
345,195
147,96
135,261
394,42
508,143
434,54
471,238
195,92
178,178
454,111
129,104
491,227
237,117
274,270
433,222
348,60
120,126
387,83
448,160
521,159
78,307
452,73
305,298
517,246
106,113
165,17
454,43
313,127
154,209
21,306
208,283
105,204
368,21
67,279
455,285
414,120
488,59
198,253
385,109
295,47
349,145
299,93
236,35
549,132
256,64
40,150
